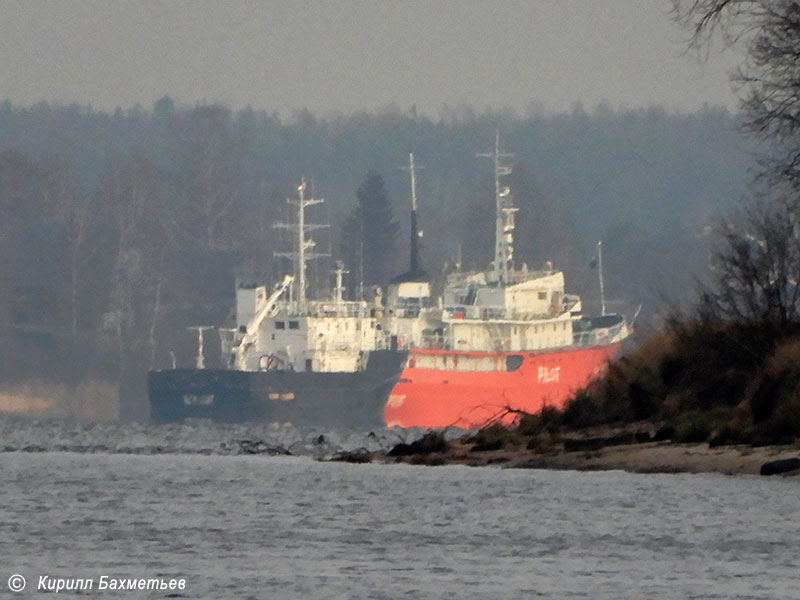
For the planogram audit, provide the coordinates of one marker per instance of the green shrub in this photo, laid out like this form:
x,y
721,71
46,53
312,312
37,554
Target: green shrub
x,y
730,436
548,419
643,401
582,411
692,428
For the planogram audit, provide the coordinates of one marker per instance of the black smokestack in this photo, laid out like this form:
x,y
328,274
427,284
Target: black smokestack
x,y
415,272
414,266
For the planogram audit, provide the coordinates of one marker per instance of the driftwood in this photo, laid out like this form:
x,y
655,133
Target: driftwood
x,y
776,467
260,447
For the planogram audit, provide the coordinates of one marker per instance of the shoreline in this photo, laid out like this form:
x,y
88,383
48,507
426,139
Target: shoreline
x,y
650,457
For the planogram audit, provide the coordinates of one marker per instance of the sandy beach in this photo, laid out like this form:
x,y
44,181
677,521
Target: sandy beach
x,y
654,457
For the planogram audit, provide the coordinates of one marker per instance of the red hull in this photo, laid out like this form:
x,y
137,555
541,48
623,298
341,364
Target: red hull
x,y
441,397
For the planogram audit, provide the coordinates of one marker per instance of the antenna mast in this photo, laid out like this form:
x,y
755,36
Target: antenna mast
x,y
600,273
305,244
504,217
201,359
338,290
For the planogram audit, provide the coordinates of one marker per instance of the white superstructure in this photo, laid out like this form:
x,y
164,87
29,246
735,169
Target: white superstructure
x,y
276,332
502,309
530,312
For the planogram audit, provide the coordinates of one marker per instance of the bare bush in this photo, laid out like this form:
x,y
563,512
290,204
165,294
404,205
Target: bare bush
x,y
756,269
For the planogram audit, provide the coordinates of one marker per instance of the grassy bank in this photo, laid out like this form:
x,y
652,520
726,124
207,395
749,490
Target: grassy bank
x,y
694,398
724,385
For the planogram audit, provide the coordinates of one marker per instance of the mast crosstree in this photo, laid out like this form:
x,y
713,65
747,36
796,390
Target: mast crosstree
x,y
304,248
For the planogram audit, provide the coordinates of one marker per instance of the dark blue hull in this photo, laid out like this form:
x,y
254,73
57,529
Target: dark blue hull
x,y
304,399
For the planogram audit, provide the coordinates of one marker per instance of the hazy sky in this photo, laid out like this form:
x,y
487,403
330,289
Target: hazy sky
x,y
344,55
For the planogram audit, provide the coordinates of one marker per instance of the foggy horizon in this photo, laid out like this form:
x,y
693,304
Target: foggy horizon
x,y
345,57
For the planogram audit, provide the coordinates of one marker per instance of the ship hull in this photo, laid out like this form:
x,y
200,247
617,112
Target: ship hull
x,y
301,398
447,391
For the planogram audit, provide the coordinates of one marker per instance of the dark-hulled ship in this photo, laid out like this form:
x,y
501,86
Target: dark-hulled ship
x,y
289,359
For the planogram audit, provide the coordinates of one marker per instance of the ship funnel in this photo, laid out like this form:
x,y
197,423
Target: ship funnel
x,y
415,272
414,262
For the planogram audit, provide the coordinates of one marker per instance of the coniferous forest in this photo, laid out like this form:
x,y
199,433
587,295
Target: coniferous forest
x,y
121,230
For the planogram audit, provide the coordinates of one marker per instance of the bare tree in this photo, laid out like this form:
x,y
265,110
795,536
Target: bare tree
x,y
757,269
80,215
209,185
769,78
132,193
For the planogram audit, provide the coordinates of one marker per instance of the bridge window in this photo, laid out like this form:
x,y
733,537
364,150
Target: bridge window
x,y
280,325
294,325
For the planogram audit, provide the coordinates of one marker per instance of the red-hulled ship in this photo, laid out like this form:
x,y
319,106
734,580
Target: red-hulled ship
x,y
498,342
437,396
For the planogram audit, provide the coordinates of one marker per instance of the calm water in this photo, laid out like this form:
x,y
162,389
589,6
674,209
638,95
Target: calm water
x,y
175,502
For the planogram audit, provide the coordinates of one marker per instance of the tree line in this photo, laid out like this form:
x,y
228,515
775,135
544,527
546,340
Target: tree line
x,y
121,230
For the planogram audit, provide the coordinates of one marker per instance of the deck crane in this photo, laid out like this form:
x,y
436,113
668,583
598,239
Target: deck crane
x,y
250,333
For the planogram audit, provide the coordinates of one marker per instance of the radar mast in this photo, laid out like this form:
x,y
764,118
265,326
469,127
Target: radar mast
x,y
502,264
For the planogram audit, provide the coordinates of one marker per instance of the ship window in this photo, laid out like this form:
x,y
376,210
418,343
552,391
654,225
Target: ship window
x,y
294,325
280,325
542,295
513,362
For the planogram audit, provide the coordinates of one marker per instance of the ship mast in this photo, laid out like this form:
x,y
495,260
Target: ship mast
x,y
305,244
502,265
414,269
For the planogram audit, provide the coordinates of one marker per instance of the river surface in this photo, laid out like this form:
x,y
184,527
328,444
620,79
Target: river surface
x,y
184,503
